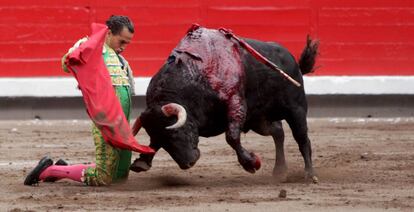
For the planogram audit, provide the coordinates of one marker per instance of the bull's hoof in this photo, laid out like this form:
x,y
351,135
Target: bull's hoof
x,y
257,161
253,164
139,166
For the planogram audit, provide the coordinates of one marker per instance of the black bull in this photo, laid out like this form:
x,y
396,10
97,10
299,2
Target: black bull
x,y
210,85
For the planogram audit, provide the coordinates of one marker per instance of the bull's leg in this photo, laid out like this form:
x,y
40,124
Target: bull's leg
x,y
248,160
280,169
236,115
275,129
298,125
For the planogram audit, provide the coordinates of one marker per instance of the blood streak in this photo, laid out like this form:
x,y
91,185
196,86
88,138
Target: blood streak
x,y
220,63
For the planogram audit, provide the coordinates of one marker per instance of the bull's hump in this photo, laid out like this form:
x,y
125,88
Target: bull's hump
x,y
221,60
201,41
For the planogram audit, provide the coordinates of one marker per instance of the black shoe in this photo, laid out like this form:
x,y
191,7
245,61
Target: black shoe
x,y
33,176
60,162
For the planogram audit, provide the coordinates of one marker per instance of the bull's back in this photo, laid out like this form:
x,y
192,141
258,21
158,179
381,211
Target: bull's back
x,y
268,94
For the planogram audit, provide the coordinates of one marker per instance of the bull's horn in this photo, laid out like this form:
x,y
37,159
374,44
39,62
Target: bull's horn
x,y
137,126
175,109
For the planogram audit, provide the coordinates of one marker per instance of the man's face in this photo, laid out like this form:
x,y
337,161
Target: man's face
x,y
120,41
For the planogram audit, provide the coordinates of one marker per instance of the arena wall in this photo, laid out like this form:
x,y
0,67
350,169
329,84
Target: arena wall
x,y
366,47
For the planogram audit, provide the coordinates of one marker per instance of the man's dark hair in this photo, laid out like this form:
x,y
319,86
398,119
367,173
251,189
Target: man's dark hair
x,y
117,22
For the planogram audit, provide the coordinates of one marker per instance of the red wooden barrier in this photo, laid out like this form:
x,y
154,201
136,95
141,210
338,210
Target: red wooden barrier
x,y
370,37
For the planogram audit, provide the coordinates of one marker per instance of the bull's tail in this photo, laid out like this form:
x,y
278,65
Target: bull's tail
x,y
308,56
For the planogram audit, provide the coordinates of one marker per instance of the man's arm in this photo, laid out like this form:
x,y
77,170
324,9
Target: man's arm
x,y
77,44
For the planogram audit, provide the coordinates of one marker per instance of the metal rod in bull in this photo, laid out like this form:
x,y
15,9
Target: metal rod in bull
x,y
258,56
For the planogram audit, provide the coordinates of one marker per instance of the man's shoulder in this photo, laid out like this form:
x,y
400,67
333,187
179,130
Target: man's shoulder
x,y
71,49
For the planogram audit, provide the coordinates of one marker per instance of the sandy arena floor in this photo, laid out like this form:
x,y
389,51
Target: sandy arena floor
x,y
362,164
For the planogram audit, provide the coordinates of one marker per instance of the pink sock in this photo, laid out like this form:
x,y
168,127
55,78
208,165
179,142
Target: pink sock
x,y
73,172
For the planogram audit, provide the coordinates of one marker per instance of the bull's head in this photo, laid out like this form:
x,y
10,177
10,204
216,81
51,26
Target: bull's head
x,y
170,128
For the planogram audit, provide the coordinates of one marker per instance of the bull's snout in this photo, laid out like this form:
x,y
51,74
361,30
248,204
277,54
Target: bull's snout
x,y
190,164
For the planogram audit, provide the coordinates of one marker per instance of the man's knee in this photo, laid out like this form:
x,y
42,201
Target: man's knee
x,y
107,180
98,178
